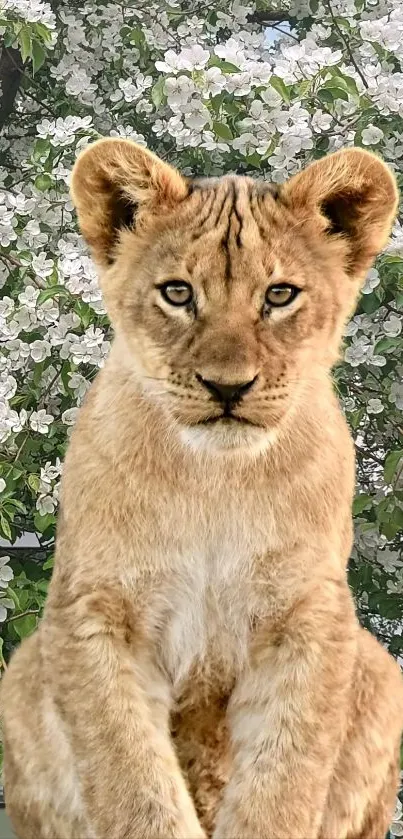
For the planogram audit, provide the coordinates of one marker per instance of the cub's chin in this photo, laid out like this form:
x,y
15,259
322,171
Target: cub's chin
x,y
227,436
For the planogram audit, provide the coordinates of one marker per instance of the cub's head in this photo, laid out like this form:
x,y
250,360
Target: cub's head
x,y
228,295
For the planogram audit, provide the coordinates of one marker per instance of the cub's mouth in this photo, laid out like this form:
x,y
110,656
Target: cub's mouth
x,y
228,419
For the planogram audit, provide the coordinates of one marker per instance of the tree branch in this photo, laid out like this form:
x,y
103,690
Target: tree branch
x,y
11,69
22,615
279,16
346,44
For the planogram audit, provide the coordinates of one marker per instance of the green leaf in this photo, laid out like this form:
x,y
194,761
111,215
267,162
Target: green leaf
x,y
388,605
392,259
38,371
232,108
5,527
43,32
25,42
9,38
281,88
212,18
24,598
12,594
336,91
48,563
15,502
43,522
34,482
25,626
84,312
52,291
38,56
355,418
137,37
392,462
394,525
42,149
383,509
369,303
64,375
158,92
386,344
341,81
222,130
303,87
351,86
43,182
325,95
360,503
25,257
254,160
224,66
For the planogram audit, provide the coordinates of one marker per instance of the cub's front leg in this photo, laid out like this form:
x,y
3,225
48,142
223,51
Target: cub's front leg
x,y
287,718
114,703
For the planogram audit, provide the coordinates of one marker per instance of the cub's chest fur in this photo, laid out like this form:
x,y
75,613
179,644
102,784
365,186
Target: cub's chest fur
x,y
203,613
207,616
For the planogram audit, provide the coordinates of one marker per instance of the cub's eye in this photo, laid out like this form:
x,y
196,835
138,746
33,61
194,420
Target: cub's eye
x,y
177,293
281,294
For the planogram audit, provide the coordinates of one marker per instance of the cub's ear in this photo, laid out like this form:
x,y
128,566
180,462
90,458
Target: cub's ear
x,y
352,193
113,181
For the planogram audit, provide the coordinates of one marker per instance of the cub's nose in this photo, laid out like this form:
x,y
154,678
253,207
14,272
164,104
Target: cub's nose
x,y
227,393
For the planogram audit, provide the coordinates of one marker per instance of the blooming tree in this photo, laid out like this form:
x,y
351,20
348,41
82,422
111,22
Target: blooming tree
x,y
260,88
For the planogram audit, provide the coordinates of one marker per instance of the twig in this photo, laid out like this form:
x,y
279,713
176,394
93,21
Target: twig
x,y
347,45
392,309
30,95
31,549
22,615
286,34
398,476
8,257
49,386
278,16
369,455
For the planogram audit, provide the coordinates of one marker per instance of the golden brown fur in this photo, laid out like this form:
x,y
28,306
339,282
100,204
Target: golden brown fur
x,y
199,669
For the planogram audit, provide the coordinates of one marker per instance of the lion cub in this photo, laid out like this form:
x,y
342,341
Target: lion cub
x,y
199,670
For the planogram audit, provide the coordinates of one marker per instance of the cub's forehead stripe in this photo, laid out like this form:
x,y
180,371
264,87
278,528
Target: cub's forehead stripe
x,y
222,198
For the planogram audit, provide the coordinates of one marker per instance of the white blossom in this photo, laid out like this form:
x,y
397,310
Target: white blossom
x,y
396,394
371,135
29,297
69,417
40,421
6,573
42,266
393,325
372,281
375,406
389,560
39,350
33,11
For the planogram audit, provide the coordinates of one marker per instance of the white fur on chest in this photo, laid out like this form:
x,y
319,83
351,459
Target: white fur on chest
x,y
204,611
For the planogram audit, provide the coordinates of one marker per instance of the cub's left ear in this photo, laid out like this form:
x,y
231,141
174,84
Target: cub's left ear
x,y
353,193
114,182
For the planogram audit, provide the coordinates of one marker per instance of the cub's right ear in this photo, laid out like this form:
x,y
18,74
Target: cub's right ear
x,y
115,184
